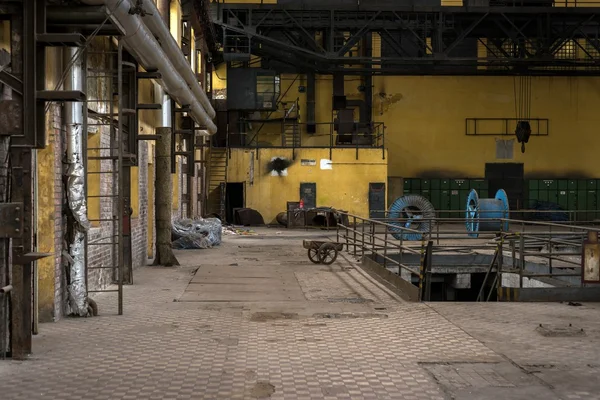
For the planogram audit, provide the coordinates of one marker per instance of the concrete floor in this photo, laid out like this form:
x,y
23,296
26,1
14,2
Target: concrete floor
x,y
254,318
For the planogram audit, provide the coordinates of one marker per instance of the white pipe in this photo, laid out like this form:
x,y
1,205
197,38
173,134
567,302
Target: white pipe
x,y
158,27
149,53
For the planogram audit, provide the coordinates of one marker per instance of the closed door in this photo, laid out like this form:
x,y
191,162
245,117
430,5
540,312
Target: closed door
x,y
308,193
377,200
507,176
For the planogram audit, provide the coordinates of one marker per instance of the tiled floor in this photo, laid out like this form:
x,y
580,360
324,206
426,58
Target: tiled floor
x,y
257,320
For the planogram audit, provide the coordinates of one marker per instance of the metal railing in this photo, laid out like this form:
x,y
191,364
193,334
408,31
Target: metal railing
x,y
550,253
365,136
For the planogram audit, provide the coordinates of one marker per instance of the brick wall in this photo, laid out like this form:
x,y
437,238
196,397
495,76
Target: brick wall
x,y
101,250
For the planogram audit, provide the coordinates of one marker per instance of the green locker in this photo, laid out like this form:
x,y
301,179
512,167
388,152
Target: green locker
x,y
573,184
444,184
415,185
563,199
534,197
533,184
407,184
572,200
426,193
435,184
591,205
463,202
445,203
563,185
582,205
477,184
543,195
548,184
483,194
586,184
425,184
455,203
435,200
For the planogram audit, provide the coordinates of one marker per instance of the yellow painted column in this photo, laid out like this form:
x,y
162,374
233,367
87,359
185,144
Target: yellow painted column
x,y
45,232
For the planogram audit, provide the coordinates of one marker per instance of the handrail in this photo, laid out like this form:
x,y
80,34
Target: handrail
x,y
528,243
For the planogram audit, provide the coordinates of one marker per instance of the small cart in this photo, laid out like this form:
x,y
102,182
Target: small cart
x,y
322,252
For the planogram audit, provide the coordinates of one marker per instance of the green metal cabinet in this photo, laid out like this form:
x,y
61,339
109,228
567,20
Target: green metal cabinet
x,y
563,185
548,184
435,199
563,199
533,197
459,184
445,203
533,185
425,184
415,185
572,184
435,184
444,184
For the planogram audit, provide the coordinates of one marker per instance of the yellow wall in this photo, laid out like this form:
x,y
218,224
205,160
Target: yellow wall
x,y
425,119
45,202
344,187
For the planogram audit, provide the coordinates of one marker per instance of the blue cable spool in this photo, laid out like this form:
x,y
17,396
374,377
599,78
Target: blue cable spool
x,y
480,209
418,212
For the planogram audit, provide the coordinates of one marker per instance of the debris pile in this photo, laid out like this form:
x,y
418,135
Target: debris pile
x,y
232,230
199,233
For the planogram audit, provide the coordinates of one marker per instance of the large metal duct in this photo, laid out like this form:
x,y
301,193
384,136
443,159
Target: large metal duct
x,y
140,41
417,214
159,28
76,188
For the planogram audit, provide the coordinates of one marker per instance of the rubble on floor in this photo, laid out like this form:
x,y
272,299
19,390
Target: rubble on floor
x,y
233,230
198,233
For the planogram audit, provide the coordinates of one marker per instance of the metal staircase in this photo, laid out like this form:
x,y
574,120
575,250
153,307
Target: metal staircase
x,y
290,132
217,180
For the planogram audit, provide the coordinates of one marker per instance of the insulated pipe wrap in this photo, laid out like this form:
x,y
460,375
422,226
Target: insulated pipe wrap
x,y
76,188
485,215
419,212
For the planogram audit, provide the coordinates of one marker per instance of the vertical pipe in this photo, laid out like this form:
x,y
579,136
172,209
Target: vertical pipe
x,y
310,103
121,188
73,112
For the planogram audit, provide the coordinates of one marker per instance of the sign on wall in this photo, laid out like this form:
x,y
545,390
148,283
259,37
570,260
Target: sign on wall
x,y
308,163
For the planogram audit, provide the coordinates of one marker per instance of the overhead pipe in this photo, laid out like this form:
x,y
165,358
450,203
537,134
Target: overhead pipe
x,y
73,114
140,41
159,28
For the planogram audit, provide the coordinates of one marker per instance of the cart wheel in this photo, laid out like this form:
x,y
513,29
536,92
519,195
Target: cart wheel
x,y
313,255
327,253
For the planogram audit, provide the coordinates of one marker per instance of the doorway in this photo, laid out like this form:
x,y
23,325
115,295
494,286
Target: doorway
x,y
507,176
376,200
234,198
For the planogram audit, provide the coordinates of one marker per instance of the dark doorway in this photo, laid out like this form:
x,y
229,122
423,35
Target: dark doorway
x,y
376,200
308,193
234,199
507,176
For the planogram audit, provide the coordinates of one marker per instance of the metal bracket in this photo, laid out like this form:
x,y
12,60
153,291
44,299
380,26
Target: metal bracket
x,y
11,220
